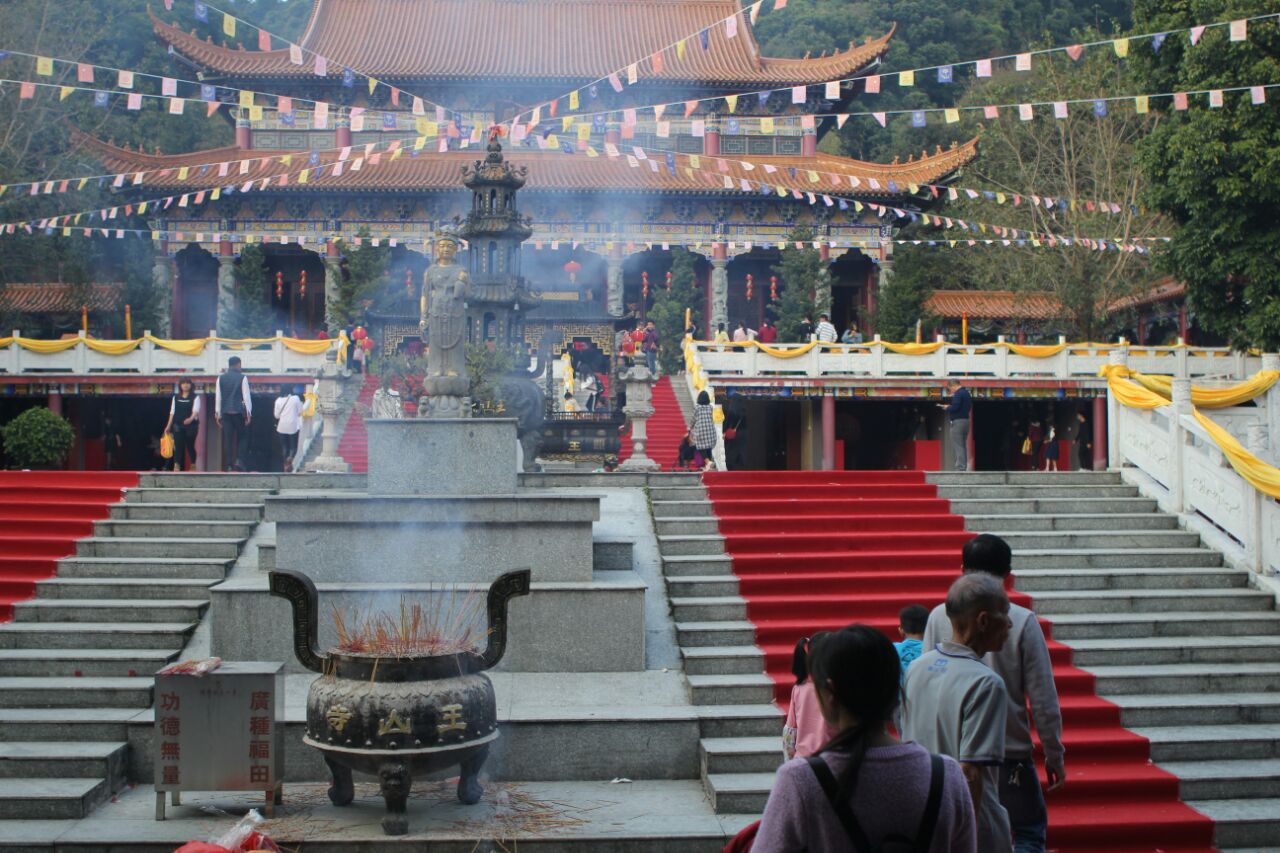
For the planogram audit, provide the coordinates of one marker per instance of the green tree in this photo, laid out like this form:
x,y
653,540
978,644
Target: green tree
x,y
900,302
249,315
37,438
486,368
669,307
365,271
1216,172
805,286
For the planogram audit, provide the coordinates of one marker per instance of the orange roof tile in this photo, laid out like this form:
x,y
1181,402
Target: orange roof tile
x,y
401,40
548,171
1013,305
58,297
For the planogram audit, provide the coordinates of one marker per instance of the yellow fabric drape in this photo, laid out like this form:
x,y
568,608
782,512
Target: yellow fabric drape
x,y
307,347
1208,398
309,404
1263,477
194,346
1129,394
1033,351
914,349
42,347
343,344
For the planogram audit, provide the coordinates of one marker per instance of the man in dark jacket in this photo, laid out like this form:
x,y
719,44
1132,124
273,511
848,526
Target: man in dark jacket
x,y
958,418
233,409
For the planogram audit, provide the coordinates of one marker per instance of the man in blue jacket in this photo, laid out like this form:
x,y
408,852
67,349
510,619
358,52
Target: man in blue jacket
x,y
958,412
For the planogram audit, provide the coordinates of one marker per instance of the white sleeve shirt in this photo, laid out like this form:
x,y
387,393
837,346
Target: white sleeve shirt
x,y
195,408
244,392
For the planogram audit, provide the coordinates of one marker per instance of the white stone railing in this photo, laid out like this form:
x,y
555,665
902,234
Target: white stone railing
x,y
876,360
1170,457
148,359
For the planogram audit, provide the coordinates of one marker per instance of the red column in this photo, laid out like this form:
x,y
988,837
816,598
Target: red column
x,y
1182,325
828,432
1142,330
711,137
55,402
244,132
612,133
1099,433
809,143
343,135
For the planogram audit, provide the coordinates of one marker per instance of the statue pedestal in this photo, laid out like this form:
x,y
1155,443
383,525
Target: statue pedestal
x,y
639,408
442,456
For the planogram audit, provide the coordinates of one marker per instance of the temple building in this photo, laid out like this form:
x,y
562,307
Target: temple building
x,y
601,218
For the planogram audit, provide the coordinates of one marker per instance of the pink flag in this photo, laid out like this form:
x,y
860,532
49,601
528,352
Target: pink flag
x,y
991,112
873,84
395,96
168,87
1179,100
1258,95
419,108
126,80
264,40
1026,112
440,114
689,107
321,118
1059,109
629,117
779,4
84,72
799,94
295,54
880,117
656,59
731,26
1075,51
27,91
698,127
322,66
1196,32
983,68
833,90
615,82
134,101
841,119
808,122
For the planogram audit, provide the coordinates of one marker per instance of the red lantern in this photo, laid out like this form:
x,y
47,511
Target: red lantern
x,y
644,284
748,287
302,284
572,269
366,344
773,288
408,281
668,280
359,334
279,285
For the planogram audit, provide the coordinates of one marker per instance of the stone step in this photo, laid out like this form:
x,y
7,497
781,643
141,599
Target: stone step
x,y
130,588
190,512
1252,824
205,568
214,480
156,547
686,526
1223,779
1068,627
135,529
107,609
83,662
196,496
741,721
677,493
67,724
1051,506
740,755
51,799
1040,580
730,689
1023,478
723,660
683,508
1099,539
740,793
692,544
77,635
88,692
1154,651
703,634
1191,678
977,491
696,564
1114,558
1226,709
35,759
1129,601
701,586
1010,523
727,608
1205,743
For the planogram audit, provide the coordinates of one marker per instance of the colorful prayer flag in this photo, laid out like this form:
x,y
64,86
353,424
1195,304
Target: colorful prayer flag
x,y
1121,47
228,24
1179,100
991,112
799,94
1239,30
907,78
201,12
26,91
264,40
1026,112
732,102
872,84
84,72
1215,97
833,91
1258,95
656,61
633,74
766,124
1142,104
322,66
881,118
64,92
44,66
918,118
246,99
946,74
176,106
731,26
615,82
1196,33
295,54
1022,62
125,80
1059,109
1075,51
320,119
952,115
982,68
573,100
680,49
134,101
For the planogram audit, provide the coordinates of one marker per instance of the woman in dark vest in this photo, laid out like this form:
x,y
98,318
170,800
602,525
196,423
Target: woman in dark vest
x,y
184,423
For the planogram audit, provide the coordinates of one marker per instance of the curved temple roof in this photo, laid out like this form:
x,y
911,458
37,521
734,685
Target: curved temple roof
x,y
400,40
548,171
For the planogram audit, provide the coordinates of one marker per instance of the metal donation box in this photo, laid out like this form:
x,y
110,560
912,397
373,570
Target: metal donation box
x,y
220,732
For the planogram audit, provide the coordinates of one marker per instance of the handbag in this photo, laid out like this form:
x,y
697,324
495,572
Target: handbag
x,y
166,445
1026,447
730,434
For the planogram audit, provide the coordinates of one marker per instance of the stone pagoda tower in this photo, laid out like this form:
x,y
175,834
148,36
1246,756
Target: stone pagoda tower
x,y
494,231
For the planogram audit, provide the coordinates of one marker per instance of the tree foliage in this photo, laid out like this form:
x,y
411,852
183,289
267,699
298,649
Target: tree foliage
x,y
900,301
1216,172
37,438
805,286
249,315
669,307
364,273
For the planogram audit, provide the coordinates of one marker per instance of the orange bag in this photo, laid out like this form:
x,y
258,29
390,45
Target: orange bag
x,y
166,445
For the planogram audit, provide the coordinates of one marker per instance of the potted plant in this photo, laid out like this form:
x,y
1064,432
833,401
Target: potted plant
x,y
37,438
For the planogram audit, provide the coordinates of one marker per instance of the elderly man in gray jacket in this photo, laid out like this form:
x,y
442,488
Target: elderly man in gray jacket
x,y
1024,665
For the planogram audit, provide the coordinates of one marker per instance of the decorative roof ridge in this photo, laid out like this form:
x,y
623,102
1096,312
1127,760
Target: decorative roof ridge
x,y
958,155
856,56
175,37
118,156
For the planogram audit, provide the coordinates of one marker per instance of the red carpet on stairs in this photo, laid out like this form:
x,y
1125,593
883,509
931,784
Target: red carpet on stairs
x,y
354,444
816,550
42,514
665,428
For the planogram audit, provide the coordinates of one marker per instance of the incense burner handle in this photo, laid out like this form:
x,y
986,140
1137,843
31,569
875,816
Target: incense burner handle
x,y
300,592
501,591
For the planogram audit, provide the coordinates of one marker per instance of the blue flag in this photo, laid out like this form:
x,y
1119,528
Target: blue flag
x,y
287,120
705,38
1157,40
1100,108
763,97
893,186
917,118
945,74
4,54
314,159
844,205
765,189
100,99
733,126
348,78
594,91
566,147
671,163
207,92
792,170
388,121
202,12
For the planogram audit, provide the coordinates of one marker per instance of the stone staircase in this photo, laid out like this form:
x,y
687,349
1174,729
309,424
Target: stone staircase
x,y
76,664
741,728
1182,643
681,389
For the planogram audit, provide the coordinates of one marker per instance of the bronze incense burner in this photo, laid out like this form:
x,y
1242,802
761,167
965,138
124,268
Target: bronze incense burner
x,y
399,717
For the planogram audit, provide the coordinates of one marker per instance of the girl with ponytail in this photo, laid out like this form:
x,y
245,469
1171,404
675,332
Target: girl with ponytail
x,y
805,730
864,790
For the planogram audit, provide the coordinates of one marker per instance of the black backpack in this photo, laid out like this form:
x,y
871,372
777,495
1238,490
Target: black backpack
x,y
891,843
